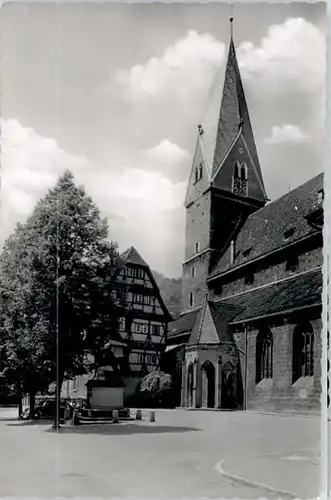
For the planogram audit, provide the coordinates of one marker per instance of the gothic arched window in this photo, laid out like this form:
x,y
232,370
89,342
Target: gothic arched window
x,y
236,177
244,171
303,351
264,354
240,176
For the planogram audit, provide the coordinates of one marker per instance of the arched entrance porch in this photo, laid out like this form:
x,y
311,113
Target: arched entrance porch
x,y
190,385
208,385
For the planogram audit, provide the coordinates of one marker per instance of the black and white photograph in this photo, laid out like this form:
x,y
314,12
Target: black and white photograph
x,y
163,257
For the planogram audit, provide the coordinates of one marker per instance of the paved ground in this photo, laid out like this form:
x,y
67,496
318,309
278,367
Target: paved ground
x,y
182,454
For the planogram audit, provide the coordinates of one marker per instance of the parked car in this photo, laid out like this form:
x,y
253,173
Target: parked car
x,y
46,410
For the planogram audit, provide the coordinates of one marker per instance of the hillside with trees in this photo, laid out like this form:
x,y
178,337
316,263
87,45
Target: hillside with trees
x,y
170,289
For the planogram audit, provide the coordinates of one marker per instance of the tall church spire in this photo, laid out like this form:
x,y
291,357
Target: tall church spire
x,y
234,122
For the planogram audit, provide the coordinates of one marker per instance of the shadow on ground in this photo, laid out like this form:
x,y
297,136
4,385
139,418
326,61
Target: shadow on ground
x,y
124,429
22,423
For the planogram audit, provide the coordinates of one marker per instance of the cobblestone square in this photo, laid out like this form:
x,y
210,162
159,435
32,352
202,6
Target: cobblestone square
x,y
183,454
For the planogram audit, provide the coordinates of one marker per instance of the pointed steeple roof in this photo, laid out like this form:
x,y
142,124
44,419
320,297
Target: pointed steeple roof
x,y
131,256
227,120
210,326
234,117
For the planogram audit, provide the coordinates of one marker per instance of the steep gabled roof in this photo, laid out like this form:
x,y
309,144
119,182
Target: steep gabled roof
x,y
131,256
265,230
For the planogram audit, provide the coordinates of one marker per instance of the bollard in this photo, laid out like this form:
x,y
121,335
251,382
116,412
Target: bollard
x,y
152,416
138,415
115,416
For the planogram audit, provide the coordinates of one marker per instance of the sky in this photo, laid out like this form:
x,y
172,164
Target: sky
x,y
114,92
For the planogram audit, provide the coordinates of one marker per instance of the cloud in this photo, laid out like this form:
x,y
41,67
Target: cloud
x,y
167,152
292,55
30,164
188,63
139,204
287,134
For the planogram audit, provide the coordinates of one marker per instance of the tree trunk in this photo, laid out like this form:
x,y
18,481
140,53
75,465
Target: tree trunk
x,y
32,414
20,406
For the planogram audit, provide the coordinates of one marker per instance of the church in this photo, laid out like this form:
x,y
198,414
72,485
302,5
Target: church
x,y
249,332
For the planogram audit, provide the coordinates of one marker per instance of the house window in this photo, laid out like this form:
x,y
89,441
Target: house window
x,y
249,279
140,273
320,196
138,298
137,327
149,300
264,354
193,272
240,176
147,359
131,272
155,329
153,359
145,328
122,324
191,299
197,247
292,263
141,358
303,351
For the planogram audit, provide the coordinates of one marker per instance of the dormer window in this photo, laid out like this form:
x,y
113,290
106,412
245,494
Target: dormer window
x,y
240,176
249,279
247,252
198,173
289,233
292,263
320,196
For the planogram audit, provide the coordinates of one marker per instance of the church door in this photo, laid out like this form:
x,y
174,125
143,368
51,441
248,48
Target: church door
x,y
208,385
190,386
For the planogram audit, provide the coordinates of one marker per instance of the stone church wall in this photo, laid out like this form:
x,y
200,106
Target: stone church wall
x,y
279,394
197,231
308,260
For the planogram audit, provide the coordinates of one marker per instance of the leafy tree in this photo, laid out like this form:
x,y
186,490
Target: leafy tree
x,y
22,332
69,299
156,386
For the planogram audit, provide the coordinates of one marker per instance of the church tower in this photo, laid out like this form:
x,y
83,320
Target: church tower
x,y
225,185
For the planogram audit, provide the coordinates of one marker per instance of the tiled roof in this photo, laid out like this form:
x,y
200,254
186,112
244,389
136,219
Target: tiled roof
x,y
265,230
183,324
300,291
131,256
211,324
